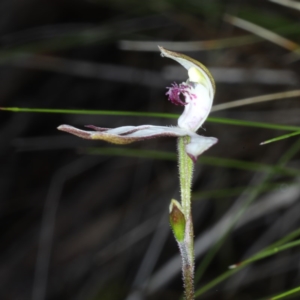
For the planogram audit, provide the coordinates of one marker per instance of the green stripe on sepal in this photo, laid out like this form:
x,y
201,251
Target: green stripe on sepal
x,y
177,220
190,63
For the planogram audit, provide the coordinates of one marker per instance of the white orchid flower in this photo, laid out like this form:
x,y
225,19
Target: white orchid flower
x,y
198,92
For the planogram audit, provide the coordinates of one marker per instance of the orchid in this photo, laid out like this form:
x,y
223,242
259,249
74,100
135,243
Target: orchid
x,y
198,92
196,96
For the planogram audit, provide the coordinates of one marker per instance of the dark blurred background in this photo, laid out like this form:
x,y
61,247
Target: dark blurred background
x,y
84,221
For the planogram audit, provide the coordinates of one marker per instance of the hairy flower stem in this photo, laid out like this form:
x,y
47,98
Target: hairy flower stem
x,y
187,246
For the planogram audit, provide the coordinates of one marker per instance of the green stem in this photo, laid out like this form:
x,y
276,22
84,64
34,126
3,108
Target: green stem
x,y
187,246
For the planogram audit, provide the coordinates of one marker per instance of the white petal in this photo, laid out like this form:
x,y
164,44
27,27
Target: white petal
x,y
198,145
125,134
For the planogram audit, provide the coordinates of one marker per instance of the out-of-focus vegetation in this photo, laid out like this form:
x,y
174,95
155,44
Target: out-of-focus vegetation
x,y
81,220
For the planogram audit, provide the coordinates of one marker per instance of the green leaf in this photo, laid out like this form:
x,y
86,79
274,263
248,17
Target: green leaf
x,y
177,220
282,137
151,115
286,294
